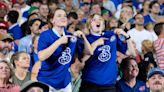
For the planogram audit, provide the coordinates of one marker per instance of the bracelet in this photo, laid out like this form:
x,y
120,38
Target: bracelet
x,y
127,38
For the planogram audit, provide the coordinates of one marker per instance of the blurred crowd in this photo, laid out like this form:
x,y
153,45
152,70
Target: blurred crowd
x,y
81,46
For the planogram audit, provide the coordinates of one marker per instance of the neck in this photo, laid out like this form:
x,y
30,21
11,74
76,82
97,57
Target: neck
x,y
3,82
10,24
23,5
139,27
74,73
145,12
21,73
60,30
98,33
131,82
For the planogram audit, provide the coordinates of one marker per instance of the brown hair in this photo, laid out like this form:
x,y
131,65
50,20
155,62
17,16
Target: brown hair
x,y
10,67
16,56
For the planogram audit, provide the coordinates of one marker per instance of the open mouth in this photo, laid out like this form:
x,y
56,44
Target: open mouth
x,y
98,25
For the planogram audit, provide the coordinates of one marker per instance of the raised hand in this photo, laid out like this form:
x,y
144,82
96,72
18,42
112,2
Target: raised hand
x,y
119,31
99,41
78,33
64,39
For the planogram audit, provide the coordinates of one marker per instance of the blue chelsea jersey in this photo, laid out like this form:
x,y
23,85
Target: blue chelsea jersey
x,y
101,67
54,70
138,87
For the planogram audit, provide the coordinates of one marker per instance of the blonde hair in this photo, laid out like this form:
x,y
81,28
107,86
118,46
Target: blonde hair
x,y
90,18
147,45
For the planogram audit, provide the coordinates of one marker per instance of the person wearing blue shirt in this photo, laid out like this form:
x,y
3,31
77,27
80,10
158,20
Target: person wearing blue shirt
x,y
128,82
100,70
14,28
56,50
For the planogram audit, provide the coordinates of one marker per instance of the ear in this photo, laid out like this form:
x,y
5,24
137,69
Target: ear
x,y
147,84
16,62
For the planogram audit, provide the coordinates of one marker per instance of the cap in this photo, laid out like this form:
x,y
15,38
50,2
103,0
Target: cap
x,y
26,86
155,71
5,37
3,25
3,5
32,9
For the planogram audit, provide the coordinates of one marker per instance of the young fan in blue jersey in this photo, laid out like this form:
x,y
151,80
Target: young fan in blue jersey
x,y
100,70
56,50
128,82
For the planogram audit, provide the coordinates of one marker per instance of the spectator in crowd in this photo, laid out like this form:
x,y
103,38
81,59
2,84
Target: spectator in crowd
x,y
24,8
109,5
155,80
25,27
35,3
106,15
104,57
161,6
148,52
17,7
125,16
6,46
52,5
158,44
3,28
112,23
14,28
34,54
3,11
95,8
71,28
68,6
145,8
150,27
72,18
25,43
153,16
148,59
21,63
43,12
138,34
6,72
128,82
35,86
56,54
76,73
80,15
85,7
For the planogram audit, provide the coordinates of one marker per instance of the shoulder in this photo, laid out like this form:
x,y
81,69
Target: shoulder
x,y
14,87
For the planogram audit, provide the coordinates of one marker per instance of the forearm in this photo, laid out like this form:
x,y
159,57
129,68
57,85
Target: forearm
x,y
46,53
87,47
131,48
86,57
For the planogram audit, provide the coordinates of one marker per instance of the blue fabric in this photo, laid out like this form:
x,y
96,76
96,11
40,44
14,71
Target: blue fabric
x,y
147,19
25,44
139,87
16,32
117,2
54,70
15,47
101,67
34,59
25,14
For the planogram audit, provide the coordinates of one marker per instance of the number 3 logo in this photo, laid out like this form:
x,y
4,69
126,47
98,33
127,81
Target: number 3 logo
x,y
66,57
105,55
